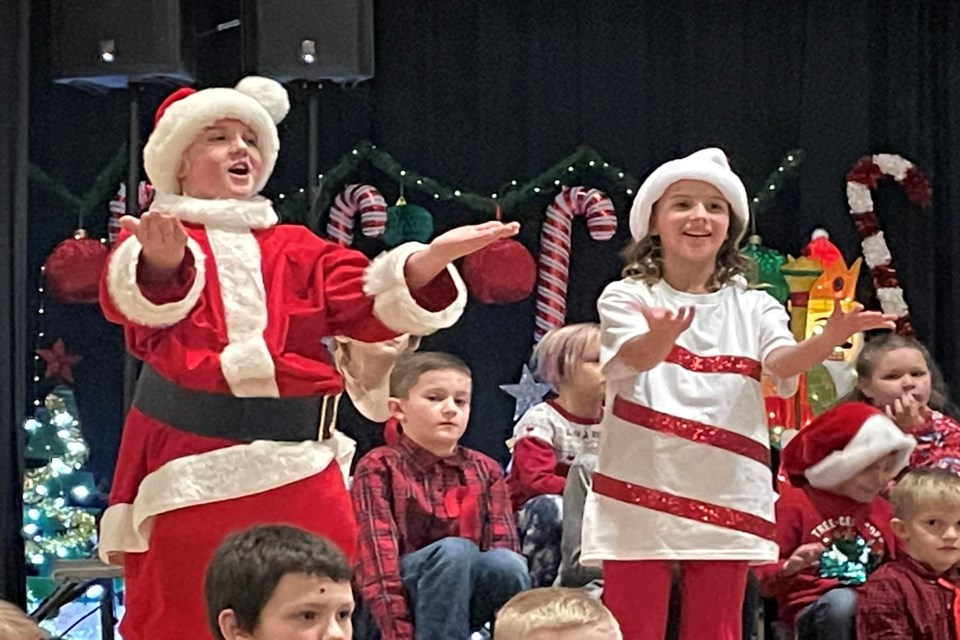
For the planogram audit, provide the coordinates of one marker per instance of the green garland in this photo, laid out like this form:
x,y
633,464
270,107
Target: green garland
x,y
775,181
85,207
508,195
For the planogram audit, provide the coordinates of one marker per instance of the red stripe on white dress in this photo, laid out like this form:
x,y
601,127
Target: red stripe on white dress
x,y
714,364
683,507
691,430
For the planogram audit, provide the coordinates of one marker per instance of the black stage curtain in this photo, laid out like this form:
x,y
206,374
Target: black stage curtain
x,y
478,92
14,51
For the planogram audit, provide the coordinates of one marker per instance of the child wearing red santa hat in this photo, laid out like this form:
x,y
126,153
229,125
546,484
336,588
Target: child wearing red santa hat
x,y
233,422
833,527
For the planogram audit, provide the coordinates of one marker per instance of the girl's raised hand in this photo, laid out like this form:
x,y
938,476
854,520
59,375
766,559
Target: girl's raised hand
x,y
667,324
843,324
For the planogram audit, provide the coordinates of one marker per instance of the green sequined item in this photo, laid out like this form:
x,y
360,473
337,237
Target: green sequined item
x,y
849,561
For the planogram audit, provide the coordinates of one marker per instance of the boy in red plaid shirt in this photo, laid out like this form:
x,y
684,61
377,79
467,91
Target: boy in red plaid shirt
x,y
438,551
915,596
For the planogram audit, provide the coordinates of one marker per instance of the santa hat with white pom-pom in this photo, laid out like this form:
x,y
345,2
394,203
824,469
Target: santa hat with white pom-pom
x,y
260,103
840,443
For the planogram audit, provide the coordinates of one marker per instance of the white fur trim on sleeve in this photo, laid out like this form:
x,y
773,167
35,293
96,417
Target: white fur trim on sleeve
x,y
121,537
130,301
877,437
393,303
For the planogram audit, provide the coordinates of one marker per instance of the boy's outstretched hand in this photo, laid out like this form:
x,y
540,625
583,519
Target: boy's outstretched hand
x,y
423,266
162,236
843,324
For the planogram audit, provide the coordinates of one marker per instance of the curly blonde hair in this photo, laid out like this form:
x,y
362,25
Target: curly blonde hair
x,y
644,259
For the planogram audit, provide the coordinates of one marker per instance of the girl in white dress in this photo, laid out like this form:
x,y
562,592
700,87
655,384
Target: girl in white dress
x,y
684,478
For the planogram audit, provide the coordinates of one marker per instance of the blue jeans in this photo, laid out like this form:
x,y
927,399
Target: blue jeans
x,y
453,588
832,617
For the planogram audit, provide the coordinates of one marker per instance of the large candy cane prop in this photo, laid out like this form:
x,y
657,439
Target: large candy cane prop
x,y
861,178
554,268
356,198
118,208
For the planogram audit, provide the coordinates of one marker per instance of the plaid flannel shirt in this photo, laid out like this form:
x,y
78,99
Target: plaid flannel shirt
x,y
406,498
907,599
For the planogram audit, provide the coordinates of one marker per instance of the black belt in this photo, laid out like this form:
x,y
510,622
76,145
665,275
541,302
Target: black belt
x,y
221,415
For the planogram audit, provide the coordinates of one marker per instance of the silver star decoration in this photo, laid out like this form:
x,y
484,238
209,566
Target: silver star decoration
x,y
528,392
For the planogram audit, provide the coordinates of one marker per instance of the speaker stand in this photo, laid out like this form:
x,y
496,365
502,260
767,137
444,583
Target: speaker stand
x,y
131,366
313,143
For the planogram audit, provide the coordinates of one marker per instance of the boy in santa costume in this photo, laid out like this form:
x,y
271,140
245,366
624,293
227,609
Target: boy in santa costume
x,y
833,528
232,424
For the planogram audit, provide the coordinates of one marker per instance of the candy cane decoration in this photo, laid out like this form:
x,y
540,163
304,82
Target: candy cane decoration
x,y
118,208
355,198
554,269
861,178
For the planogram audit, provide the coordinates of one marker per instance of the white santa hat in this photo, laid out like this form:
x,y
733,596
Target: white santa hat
x,y
842,442
260,103
707,165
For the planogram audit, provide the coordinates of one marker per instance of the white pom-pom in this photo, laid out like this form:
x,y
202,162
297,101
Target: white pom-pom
x,y
820,233
269,93
786,436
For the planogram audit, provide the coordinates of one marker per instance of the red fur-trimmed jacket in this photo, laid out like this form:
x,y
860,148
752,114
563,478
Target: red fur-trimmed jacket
x,y
245,315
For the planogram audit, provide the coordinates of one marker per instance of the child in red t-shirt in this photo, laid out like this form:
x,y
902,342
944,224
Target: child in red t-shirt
x,y
833,528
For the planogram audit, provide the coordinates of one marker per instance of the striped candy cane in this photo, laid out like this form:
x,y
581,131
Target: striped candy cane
x,y
554,268
355,198
118,208
861,178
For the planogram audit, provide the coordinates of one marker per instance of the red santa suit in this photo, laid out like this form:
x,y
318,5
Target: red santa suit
x,y
240,324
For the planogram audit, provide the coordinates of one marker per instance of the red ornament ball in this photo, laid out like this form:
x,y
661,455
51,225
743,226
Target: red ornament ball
x,y
501,273
72,270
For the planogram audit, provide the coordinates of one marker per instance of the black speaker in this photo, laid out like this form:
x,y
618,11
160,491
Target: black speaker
x,y
311,40
104,44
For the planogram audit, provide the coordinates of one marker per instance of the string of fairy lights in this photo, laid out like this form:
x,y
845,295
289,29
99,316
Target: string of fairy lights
x,y
54,526
584,165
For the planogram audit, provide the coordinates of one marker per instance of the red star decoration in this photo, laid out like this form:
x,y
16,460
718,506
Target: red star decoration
x,y
59,362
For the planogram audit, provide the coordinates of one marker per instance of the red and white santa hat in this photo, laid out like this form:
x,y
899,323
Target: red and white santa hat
x,y
840,443
707,165
260,103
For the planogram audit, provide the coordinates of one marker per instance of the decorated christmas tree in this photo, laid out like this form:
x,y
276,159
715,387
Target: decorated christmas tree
x,y
57,521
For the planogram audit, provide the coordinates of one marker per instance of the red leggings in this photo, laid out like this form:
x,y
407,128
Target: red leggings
x,y
638,594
